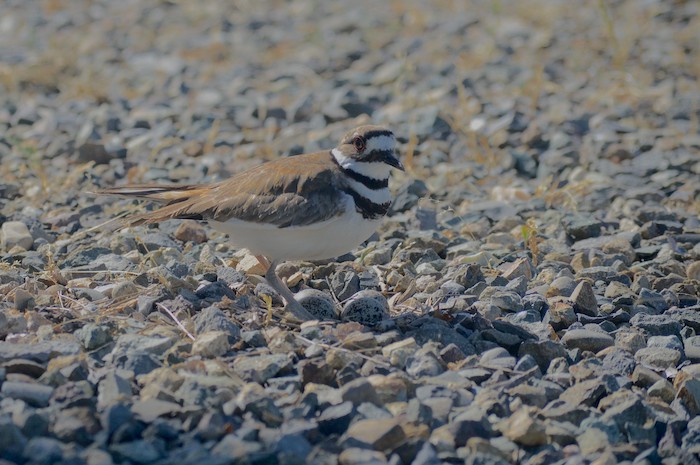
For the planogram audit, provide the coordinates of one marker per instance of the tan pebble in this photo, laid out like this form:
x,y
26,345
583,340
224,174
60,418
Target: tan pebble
x,y
693,271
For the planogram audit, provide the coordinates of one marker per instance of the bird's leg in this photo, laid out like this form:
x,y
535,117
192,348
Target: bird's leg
x,y
263,261
294,307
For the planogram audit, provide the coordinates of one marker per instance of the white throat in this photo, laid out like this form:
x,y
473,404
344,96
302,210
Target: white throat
x,y
374,170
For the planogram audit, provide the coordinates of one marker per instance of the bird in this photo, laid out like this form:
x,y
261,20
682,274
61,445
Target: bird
x,y
313,206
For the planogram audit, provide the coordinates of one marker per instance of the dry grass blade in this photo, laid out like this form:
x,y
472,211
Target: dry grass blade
x,y
342,349
179,324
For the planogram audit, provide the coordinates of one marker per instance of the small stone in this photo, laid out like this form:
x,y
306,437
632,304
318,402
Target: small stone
x,y
358,391
293,449
399,352
561,315
250,265
358,456
336,418
23,300
43,450
519,268
318,303
561,286
451,354
523,427
113,388
12,442
139,451
367,307
378,434
658,357
262,367
16,234
34,394
315,371
662,389
214,319
124,289
585,339
689,393
542,351
211,344
191,231
93,336
692,271
584,299
587,392
358,340
345,284
631,341
507,300
583,228
657,325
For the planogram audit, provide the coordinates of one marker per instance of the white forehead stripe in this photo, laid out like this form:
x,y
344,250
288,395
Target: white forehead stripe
x,y
381,143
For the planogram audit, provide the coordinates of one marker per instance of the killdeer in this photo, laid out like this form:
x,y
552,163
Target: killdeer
x,y
314,206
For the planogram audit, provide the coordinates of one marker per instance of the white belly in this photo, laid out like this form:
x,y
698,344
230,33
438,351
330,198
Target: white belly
x,y
321,241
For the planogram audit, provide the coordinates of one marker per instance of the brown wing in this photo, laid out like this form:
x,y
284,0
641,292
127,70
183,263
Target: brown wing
x,y
287,192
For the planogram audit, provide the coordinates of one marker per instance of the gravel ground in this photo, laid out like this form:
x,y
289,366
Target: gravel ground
x,y
533,297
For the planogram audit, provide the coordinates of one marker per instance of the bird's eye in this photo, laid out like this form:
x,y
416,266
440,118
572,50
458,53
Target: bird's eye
x,y
359,143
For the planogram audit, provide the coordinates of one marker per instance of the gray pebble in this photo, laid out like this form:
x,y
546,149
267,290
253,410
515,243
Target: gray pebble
x,y
584,339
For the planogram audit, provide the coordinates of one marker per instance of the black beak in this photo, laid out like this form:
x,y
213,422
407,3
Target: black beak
x,y
391,160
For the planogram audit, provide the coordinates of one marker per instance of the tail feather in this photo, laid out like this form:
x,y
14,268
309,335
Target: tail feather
x,y
174,198
156,192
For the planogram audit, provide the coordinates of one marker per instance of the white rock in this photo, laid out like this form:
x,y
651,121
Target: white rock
x,y
16,233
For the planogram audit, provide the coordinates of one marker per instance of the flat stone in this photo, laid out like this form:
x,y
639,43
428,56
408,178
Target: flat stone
x,y
561,286
657,325
211,344
662,389
542,351
93,336
16,234
658,357
692,270
39,352
43,450
689,394
585,339
262,367
12,441
519,268
34,394
523,427
378,434
336,418
113,388
358,391
149,410
139,451
213,319
399,352
587,392
191,231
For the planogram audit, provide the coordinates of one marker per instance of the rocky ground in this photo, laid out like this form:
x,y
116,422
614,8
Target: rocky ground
x,y
533,297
